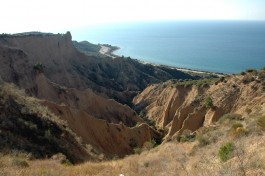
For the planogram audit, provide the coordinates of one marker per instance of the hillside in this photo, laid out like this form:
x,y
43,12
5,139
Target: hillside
x,y
176,105
64,103
84,90
231,142
26,125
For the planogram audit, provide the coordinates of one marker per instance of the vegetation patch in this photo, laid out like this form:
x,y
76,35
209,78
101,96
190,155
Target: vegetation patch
x,y
229,117
38,67
238,130
226,151
148,145
199,83
261,122
19,162
208,102
202,139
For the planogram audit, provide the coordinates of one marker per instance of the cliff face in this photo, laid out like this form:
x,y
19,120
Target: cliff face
x,y
178,106
77,88
63,64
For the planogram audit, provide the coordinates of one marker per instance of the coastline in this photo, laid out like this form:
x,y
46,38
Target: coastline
x,y
108,50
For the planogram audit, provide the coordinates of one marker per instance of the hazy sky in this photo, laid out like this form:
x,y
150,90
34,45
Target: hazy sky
x,y
60,16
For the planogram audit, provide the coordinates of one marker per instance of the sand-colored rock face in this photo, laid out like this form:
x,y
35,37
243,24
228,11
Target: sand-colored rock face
x,y
111,139
86,100
102,123
78,88
182,107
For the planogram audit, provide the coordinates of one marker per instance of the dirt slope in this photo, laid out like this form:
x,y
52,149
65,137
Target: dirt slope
x,y
177,106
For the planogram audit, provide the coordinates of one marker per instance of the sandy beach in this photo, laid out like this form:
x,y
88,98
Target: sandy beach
x,y
108,51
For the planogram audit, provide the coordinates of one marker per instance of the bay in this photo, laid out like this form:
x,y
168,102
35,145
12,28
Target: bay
x,y
217,46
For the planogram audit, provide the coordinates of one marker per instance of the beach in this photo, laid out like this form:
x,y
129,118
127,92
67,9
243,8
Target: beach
x,y
108,50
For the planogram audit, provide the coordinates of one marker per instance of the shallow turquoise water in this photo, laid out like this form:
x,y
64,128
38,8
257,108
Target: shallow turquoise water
x,y
220,46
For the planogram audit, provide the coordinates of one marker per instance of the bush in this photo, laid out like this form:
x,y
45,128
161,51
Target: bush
x,y
38,66
226,151
137,150
252,70
202,140
66,162
236,125
149,144
238,130
19,162
261,122
230,116
247,79
208,103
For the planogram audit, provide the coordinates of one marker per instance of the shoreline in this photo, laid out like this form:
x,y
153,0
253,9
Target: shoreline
x,y
108,50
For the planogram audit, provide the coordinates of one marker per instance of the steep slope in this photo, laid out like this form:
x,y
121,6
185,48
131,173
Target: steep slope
x,y
87,101
178,106
27,126
49,67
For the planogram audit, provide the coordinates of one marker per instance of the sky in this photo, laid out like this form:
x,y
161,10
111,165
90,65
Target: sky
x,y
60,16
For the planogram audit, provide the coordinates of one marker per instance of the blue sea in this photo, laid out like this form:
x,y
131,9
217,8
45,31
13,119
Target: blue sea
x,y
218,46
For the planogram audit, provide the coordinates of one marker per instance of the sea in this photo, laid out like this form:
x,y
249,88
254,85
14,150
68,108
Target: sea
x,y
215,46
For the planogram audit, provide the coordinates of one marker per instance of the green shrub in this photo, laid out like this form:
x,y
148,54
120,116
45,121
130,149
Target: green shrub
x,y
66,162
203,140
230,116
208,102
149,144
38,66
261,122
236,125
137,150
226,151
247,79
19,162
238,130
252,70
184,139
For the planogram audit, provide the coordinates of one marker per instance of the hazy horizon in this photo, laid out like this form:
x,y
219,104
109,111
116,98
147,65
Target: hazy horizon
x,y
57,17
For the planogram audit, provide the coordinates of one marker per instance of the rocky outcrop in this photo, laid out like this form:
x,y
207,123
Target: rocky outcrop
x,y
108,138
178,106
87,101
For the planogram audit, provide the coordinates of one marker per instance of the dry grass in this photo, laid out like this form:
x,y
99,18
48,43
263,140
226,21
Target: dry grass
x,y
168,159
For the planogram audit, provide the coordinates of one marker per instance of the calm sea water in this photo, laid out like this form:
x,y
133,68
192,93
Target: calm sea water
x,y
219,46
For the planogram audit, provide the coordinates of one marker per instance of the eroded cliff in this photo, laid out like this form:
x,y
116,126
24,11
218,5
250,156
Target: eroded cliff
x,y
177,106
